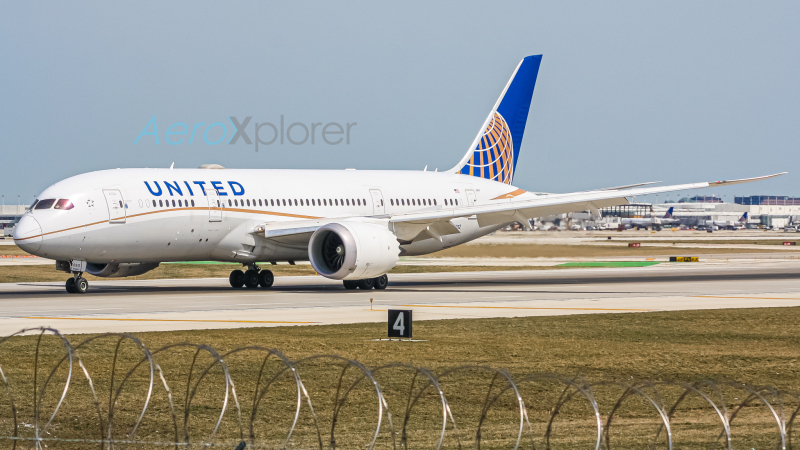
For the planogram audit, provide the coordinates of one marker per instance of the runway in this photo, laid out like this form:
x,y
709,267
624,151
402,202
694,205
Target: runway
x,y
159,305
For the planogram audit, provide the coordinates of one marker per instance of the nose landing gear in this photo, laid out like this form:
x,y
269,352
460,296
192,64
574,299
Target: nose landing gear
x,y
77,284
252,278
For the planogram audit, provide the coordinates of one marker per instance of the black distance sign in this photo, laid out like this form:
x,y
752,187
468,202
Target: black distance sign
x,y
400,323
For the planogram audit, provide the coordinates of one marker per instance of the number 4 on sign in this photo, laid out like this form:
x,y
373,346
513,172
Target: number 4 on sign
x,y
400,323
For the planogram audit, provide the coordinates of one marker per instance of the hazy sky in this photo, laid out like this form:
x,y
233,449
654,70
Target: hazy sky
x,y
627,91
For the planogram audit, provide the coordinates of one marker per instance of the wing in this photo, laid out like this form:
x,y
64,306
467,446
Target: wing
x,y
523,207
519,208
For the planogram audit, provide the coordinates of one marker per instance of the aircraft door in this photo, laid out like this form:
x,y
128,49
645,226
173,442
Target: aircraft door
x,y
116,205
214,205
377,201
470,197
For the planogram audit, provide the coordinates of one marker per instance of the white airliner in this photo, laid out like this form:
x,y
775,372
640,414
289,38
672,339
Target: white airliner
x,y
352,225
653,222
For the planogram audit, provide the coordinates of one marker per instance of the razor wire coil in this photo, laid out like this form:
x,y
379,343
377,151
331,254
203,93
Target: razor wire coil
x,y
505,394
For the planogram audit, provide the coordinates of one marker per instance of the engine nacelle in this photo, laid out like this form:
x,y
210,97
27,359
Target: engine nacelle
x,y
353,250
117,270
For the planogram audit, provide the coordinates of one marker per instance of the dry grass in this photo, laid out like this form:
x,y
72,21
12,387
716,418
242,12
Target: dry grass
x,y
775,241
757,346
580,251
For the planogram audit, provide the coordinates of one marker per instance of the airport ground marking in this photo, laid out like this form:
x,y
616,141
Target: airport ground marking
x,y
522,307
166,320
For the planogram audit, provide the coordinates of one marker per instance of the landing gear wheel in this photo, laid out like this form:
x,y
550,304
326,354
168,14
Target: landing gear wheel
x,y
81,285
71,286
236,279
266,278
350,284
366,284
381,282
251,279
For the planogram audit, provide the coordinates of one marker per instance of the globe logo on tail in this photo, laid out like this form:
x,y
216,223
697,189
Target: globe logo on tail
x,y
493,157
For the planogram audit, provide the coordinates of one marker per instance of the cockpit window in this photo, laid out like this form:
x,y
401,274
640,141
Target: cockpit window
x,y
64,203
45,204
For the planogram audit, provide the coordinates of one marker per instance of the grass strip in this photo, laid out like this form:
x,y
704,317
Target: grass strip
x,y
611,264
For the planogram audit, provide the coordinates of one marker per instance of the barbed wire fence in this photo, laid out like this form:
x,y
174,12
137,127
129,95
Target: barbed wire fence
x,y
61,395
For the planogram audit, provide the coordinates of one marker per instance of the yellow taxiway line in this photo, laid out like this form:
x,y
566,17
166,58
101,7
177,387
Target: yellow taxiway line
x,y
164,320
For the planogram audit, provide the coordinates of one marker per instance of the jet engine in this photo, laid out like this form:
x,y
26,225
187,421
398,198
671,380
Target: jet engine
x,y
353,250
117,270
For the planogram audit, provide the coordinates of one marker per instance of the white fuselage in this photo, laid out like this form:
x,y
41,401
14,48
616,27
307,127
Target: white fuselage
x,y
116,217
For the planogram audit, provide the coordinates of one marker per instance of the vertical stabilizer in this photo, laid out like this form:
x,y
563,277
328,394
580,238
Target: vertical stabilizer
x,y
495,150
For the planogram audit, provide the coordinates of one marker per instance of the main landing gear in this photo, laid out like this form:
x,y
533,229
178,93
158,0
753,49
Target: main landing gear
x,y
368,283
252,278
77,284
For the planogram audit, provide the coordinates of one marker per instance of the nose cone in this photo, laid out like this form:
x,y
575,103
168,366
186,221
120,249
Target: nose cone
x,y
28,234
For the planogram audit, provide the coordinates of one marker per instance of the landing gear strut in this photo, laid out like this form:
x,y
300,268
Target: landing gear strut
x,y
368,283
77,284
251,278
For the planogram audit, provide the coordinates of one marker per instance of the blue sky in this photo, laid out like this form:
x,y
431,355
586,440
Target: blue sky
x,y
627,92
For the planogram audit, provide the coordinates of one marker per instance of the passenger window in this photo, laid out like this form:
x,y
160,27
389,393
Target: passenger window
x,y
434,202
179,203
64,203
192,202
391,201
259,202
45,204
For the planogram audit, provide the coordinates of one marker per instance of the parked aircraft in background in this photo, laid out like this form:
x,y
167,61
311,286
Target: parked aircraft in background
x,y
650,222
352,225
725,224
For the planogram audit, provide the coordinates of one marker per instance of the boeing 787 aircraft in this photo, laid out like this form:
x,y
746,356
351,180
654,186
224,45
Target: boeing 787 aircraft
x,y
352,225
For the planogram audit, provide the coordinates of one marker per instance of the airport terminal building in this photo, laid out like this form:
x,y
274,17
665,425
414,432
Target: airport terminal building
x,y
763,211
9,215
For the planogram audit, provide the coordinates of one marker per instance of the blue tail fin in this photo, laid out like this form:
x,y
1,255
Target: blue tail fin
x,y
668,215
744,218
494,152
